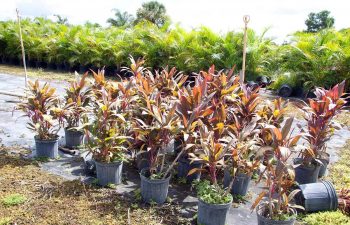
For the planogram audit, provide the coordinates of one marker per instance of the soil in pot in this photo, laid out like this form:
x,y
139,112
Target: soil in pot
x,y
212,214
46,148
109,173
262,220
185,166
153,190
306,174
74,138
240,184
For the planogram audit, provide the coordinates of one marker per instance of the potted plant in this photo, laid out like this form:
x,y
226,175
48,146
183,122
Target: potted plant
x,y
41,109
278,207
77,99
155,129
318,114
213,200
107,138
243,160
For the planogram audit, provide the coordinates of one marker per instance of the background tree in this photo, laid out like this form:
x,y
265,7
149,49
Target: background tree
x,y
152,11
61,19
122,19
319,21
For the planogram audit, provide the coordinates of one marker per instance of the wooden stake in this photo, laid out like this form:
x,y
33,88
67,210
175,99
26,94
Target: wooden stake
x,y
246,19
22,46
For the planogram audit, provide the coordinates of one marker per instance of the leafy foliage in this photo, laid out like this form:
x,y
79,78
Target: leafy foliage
x,y
77,99
318,21
318,114
41,107
279,173
211,194
122,19
152,11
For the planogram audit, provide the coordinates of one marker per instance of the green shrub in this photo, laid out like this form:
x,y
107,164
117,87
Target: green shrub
x,y
327,218
292,79
13,199
5,221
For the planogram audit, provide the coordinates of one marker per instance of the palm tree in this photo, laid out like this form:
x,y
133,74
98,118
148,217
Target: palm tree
x,y
154,12
122,19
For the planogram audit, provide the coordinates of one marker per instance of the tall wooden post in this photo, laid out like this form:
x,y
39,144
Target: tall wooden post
x,y
246,19
22,46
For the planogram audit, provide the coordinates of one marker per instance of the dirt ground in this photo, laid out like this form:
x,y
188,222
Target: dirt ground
x,y
52,200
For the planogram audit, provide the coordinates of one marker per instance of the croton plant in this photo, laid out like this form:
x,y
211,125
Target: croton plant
x,y
318,113
279,173
77,99
41,107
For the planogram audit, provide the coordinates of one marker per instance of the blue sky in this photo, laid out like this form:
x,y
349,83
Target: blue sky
x,y
282,16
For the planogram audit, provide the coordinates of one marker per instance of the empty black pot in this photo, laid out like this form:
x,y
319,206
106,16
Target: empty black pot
x,y
285,91
317,197
185,166
240,184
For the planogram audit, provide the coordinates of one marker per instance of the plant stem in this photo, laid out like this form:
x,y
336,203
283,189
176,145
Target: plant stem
x,y
173,163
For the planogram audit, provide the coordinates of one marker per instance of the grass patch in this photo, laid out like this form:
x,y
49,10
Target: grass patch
x,y
5,221
339,172
13,199
37,73
326,218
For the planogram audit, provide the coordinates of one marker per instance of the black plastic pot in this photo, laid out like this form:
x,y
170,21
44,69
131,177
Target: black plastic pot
x,y
317,197
178,145
262,220
185,166
240,183
109,173
212,214
153,190
142,160
74,138
306,174
323,166
285,91
46,148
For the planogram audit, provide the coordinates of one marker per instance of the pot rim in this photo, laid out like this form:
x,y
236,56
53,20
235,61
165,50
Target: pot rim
x,y
143,177
72,129
115,163
262,206
222,205
47,140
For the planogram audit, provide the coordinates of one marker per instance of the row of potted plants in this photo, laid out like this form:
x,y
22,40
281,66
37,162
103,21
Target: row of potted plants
x,y
216,123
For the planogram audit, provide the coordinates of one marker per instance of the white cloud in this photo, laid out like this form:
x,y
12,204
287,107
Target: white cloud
x,y
283,16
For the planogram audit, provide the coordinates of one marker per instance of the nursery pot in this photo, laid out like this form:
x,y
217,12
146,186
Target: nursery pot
x,y
46,148
153,190
142,160
285,91
323,166
262,220
109,173
240,184
74,138
212,214
317,197
185,166
306,174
